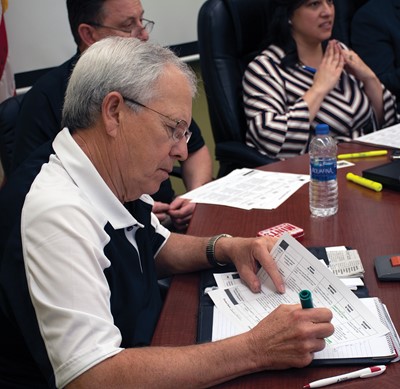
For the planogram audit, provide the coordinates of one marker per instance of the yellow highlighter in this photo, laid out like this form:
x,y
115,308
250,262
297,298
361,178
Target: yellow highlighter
x,y
376,186
364,154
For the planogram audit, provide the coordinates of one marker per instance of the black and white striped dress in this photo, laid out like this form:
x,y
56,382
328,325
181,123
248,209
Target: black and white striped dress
x,y
278,117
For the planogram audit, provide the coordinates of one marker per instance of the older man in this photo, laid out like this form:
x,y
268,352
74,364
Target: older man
x,y
79,272
40,116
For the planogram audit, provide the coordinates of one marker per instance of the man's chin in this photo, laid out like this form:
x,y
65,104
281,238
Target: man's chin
x,y
156,187
152,186
161,176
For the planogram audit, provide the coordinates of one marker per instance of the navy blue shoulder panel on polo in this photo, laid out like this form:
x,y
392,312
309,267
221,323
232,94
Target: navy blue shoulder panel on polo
x,y
135,294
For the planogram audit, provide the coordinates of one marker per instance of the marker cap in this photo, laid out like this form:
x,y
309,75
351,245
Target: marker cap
x,y
306,299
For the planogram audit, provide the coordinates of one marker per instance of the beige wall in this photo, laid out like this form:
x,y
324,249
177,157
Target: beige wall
x,y
200,115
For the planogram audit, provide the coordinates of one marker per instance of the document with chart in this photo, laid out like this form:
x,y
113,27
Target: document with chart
x,y
359,333
249,189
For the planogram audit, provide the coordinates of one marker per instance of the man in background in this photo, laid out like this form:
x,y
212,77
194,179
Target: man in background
x,y
40,116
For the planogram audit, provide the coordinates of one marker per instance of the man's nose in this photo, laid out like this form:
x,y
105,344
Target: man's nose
x,y
143,35
179,150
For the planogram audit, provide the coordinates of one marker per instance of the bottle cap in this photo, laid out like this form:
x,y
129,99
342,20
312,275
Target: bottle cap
x,y
322,129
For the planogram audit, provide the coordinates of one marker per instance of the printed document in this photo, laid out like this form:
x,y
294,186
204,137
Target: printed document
x,y
249,188
344,262
389,137
375,347
300,270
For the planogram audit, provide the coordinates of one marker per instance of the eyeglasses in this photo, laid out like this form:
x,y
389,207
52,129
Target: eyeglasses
x,y
181,127
146,25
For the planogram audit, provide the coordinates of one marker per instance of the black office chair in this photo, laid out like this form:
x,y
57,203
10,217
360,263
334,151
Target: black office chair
x,y
230,33
9,110
344,12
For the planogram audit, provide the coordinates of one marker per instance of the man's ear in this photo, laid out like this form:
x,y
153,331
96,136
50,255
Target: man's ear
x,y
88,34
111,113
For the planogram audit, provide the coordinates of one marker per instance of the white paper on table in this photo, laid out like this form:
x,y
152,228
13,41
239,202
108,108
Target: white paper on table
x,y
389,136
342,164
249,189
344,262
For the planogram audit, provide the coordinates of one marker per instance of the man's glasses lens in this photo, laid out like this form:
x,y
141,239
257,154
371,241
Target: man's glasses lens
x,y
180,131
148,25
181,127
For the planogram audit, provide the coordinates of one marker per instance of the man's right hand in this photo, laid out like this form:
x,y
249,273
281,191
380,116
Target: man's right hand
x,y
289,336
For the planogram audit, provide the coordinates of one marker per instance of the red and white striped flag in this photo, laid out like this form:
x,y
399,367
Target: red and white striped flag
x,y
7,83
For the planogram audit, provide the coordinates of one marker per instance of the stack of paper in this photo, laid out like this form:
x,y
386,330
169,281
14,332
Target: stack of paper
x,y
344,263
359,333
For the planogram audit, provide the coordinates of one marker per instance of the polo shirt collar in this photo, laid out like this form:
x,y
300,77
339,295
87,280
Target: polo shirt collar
x,y
86,177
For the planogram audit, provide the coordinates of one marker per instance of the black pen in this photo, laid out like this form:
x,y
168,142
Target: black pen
x,y
249,172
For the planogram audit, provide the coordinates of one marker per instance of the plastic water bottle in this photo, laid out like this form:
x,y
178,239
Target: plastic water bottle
x,y
323,182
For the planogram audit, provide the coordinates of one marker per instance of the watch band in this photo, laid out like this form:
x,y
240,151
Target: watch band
x,y
210,250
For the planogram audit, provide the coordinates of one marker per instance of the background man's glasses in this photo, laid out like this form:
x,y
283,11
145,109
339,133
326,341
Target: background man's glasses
x,y
146,25
181,127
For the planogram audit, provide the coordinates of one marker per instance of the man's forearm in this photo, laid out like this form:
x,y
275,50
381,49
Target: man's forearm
x,y
198,366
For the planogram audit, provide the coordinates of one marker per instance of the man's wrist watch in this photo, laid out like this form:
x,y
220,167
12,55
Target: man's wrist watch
x,y
210,250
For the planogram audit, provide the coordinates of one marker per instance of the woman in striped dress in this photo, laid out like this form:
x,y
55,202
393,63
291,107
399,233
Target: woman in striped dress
x,y
303,79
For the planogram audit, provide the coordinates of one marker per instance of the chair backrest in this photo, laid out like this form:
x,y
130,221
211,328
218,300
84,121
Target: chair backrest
x,y
344,12
230,33
9,110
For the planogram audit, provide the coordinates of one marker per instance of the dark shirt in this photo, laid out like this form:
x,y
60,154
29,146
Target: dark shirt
x,y
344,12
375,37
40,120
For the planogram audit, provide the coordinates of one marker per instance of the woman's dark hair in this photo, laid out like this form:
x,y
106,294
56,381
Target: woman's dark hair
x,y
279,13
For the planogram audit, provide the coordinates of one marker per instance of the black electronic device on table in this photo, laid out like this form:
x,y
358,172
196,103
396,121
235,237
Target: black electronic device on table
x,y
388,174
387,267
395,155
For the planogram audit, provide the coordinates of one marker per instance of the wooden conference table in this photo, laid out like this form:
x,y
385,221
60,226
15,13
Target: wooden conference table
x,y
366,220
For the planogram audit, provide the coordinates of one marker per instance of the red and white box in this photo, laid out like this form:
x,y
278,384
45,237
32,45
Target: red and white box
x,y
280,229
